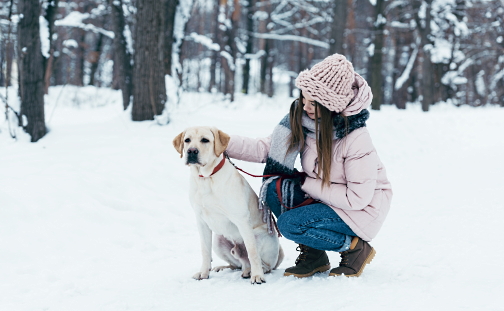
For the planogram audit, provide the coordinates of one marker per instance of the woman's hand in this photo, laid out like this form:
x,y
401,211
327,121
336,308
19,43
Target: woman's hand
x,y
300,177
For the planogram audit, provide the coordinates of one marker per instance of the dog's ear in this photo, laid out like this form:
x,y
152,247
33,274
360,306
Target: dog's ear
x,y
178,143
221,141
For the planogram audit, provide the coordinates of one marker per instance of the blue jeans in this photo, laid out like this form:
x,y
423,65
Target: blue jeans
x,y
315,225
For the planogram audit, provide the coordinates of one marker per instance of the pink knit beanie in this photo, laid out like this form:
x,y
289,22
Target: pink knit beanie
x,y
329,82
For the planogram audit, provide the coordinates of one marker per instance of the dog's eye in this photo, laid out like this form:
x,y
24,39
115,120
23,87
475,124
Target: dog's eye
x,y
204,140
187,140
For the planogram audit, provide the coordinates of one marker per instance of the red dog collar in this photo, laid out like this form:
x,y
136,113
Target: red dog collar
x,y
218,167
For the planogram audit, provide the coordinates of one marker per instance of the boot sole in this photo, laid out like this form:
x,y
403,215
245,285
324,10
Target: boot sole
x,y
319,269
367,261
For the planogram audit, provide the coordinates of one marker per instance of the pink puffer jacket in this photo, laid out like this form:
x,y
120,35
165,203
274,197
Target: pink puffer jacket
x,y
360,192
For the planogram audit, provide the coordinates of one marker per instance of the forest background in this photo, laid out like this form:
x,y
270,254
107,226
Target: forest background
x,y
424,51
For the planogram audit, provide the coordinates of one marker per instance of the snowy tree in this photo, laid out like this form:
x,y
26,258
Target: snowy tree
x,y
122,51
228,18
149,92
7,32
423,18
47,34
31,70
377,57
338,27
169,17
249,44
422,51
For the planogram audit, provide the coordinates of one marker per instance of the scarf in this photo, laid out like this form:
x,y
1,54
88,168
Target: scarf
x,y
281,161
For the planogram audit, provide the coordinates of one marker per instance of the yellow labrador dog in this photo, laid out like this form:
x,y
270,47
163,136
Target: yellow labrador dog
x,y
225,204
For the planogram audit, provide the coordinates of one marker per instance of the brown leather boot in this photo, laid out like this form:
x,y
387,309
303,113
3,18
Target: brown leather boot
x,y
309,262
354,259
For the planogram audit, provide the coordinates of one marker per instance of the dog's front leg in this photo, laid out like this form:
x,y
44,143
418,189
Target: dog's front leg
x,y
247,233
206,250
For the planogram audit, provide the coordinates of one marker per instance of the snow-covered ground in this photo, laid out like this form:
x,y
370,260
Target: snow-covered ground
x,y
96,216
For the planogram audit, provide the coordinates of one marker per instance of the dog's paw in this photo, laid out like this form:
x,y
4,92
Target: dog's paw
x,y
200,276
246,273
220,268
257,279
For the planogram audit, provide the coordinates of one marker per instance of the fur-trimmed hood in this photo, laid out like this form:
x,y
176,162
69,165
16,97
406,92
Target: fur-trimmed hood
x,y
354,122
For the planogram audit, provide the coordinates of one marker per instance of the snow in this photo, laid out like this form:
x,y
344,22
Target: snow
x,y
480,83
44,37
498,76
406,73
380,20
75,19
129,39
182,15
204,40
71,43
229,59
292,38
441,52
453,78
370,49
256,55
96,215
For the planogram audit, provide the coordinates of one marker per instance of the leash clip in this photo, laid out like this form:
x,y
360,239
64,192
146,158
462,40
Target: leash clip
x,y
228,158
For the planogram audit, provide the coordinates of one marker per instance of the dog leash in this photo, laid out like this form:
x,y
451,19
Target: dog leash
x,y
278,183
278,186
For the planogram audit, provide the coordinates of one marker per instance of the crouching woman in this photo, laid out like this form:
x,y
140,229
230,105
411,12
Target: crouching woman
x,y
344,176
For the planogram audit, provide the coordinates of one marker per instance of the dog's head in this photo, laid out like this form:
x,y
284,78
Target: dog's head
x,y
200,145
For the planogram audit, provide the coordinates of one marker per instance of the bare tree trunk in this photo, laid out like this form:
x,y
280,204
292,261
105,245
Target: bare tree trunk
x,y
5,46
399,96
78,72
427,82
292,66
9,55
377,59
350,45
363,9
229,44
122,57
263,79
94,59
265,45
250,45
171,8
2,59
271,86
149,94
50,16
61,66
213,68
115,70
215,54
338,27
31,69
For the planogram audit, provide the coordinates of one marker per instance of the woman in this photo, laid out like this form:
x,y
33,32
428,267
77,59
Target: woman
x,y
343,173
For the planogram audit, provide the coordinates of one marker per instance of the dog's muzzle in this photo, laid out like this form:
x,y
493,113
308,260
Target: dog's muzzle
x,y
192,156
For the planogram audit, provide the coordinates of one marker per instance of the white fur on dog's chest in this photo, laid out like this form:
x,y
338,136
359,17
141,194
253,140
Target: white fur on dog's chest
x,y
208,205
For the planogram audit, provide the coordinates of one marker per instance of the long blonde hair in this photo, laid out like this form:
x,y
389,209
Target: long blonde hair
x,y
323,133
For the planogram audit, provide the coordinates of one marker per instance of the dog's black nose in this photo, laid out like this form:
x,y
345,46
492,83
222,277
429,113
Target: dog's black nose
x,y
192,151
192,156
